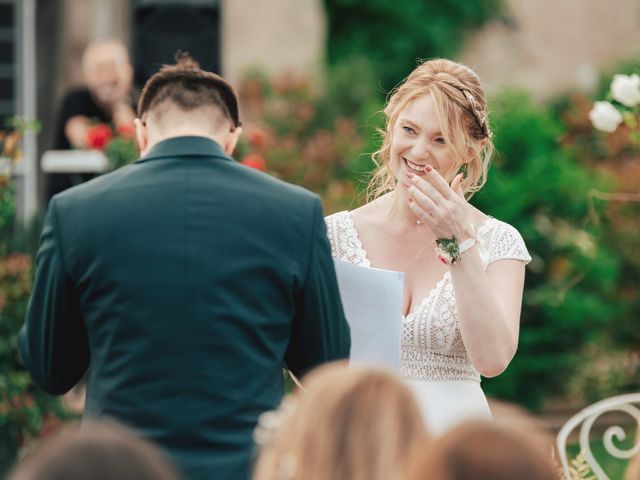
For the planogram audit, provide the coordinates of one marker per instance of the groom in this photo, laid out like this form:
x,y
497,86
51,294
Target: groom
x,y
185,282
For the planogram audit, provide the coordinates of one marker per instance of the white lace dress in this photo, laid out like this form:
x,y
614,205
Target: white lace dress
x,y
434,360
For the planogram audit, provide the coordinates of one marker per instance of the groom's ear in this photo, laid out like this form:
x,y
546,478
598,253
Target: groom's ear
x,y
141,135
232,140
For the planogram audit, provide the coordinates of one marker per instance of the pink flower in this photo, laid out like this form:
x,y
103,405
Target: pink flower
x,y
444,257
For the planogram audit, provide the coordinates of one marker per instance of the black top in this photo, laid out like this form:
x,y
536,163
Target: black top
x,y
77,102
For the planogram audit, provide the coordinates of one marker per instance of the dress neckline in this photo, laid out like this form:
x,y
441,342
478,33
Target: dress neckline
x,y
367,263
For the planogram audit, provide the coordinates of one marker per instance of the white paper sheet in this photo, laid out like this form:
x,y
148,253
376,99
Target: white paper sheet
x,y
372,302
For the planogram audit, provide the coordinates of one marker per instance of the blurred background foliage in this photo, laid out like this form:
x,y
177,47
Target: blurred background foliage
x,y
391,36
26,411
542,187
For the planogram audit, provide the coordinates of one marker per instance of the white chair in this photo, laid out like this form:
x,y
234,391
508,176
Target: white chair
x,y
628,404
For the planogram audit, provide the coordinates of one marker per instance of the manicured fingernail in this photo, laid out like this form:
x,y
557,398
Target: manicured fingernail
x,y
428,168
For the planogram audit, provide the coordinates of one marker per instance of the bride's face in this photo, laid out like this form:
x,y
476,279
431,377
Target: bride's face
x,y
417,141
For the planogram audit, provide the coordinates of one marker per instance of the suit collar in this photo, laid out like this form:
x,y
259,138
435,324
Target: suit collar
x,y
184,146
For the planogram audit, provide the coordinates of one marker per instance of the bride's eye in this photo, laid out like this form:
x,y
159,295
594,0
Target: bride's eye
x,y
440,140
408,129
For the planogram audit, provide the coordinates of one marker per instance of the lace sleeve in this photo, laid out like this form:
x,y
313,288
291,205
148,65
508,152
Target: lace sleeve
x,y
504,242
344,241
333,233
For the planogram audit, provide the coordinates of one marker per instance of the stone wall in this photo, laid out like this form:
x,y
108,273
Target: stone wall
x,y
272,35
275,36
550,46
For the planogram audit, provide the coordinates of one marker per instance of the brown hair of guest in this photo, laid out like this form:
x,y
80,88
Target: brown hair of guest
x,y
482,450
95,451
633,468
350,423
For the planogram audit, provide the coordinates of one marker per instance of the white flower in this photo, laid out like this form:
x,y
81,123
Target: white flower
x,y
626,89
605,117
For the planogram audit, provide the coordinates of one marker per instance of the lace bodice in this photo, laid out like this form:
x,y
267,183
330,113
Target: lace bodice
x,y
432,347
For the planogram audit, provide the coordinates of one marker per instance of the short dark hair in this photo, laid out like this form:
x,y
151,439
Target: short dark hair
x,y
189,87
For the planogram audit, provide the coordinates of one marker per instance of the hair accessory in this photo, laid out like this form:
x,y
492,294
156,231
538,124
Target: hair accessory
x,y
480,115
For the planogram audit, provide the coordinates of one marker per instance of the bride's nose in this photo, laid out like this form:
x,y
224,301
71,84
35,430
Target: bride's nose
x,y
421,151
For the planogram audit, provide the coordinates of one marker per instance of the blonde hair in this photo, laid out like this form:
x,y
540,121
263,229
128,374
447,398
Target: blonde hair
x,y
461,106
350,423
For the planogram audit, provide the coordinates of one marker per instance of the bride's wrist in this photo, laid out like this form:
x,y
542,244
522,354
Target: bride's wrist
x,y
469,260
468,232
450,250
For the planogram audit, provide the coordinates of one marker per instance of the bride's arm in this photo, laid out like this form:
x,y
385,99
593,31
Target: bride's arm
x,y
488,302
489,305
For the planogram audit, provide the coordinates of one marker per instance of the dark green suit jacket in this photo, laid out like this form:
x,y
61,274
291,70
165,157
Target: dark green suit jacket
x,y
185,281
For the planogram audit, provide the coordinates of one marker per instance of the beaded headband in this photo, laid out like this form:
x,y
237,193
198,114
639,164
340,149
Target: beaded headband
x,y
480,115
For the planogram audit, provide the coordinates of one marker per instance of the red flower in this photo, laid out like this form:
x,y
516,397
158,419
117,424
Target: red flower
x,y
256,161
257,137
98,136
127,130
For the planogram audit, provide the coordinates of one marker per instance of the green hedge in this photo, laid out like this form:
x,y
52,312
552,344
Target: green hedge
x,y
393,35
539,186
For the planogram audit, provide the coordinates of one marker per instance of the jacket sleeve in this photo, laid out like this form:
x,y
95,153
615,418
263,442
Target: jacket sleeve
x,y
53,342
320,332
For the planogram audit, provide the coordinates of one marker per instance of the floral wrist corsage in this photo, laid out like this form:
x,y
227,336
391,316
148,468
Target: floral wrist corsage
x,y
449,251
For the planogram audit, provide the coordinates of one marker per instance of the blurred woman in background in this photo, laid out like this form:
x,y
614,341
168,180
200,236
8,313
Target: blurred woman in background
x,y
349,423
480,450
95,451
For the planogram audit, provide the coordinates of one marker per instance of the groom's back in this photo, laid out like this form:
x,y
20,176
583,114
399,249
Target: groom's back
x,y
184,282
188,270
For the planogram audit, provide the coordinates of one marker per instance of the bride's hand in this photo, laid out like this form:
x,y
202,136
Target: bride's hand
x,y
441,207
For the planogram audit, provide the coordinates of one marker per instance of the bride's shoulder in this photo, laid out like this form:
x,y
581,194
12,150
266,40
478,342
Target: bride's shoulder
x,y
501,241
487,226
336,216
361,215
371,213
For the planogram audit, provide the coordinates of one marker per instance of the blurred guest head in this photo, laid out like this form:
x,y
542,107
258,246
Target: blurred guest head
x,y
107,71
183,99
484,451
633,469
349,423
95,451
518,419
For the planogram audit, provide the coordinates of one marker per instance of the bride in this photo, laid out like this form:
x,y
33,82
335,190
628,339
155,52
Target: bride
x,y
463,270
